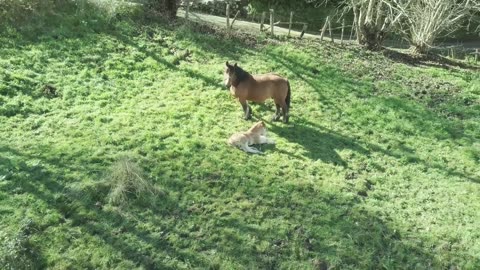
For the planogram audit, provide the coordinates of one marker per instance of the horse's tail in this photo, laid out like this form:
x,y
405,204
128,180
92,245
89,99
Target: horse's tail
x,y
287,99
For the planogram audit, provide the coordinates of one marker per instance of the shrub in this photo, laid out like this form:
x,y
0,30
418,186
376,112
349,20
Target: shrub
x,y
43,15
167,8
18,11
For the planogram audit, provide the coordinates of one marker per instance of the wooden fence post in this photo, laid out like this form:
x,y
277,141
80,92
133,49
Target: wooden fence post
x,y
324,28
305,25
228,15
234,18
343,28
351,32
330,29
262,21
271,21
187,10
357,20
290,24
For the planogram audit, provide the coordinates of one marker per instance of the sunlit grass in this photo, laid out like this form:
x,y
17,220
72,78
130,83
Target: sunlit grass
x,y
377,169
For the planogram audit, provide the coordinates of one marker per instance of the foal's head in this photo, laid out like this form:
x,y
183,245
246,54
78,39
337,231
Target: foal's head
x,y
259,128
234,75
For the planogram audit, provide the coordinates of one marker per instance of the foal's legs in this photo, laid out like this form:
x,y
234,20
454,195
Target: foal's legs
x,y
250,149
266,140
247,110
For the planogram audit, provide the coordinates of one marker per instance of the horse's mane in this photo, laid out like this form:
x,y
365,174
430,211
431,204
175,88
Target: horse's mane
x,y
241,75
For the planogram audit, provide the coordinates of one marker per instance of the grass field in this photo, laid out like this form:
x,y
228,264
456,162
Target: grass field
x,y
377,169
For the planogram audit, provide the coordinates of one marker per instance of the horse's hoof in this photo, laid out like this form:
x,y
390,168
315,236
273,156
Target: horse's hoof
x,y
275,118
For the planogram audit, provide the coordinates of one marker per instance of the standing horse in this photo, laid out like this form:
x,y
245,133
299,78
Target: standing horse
x,y
258,88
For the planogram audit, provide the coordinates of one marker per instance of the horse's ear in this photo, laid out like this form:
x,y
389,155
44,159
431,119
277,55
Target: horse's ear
x,y
235,65
226,63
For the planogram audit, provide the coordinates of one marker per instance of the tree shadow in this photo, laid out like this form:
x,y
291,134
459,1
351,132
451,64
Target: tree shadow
x,y
323,80
399,152
318,144
304,227
430,60
84,209
164,62
203,36
427,121
206,36
289,224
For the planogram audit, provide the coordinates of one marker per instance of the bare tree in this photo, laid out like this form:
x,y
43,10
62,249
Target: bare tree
x,y
424,21
421,22
373,20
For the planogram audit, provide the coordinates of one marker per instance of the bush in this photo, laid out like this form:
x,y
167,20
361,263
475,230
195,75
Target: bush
x,y
166,8
19,11
35,16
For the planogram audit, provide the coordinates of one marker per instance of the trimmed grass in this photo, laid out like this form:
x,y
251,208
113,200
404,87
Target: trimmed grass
x,y
377,169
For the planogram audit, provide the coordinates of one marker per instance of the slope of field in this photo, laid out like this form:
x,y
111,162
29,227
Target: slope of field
x,y
377,169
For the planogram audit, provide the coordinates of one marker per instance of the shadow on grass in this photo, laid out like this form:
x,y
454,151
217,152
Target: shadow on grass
x,y
311,136
432,60
316,227
47,183
323,80
321,143
233,46
315,230
160,60
233,49
318,144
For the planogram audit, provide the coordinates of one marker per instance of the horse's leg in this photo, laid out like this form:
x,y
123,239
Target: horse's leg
x,y
284,106
276,116
244,107
247,111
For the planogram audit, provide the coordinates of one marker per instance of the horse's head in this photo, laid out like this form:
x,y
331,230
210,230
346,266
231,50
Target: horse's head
x,y
234,74
229,74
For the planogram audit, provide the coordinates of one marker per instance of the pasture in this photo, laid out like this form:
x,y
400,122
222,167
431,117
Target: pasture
x,y
378,167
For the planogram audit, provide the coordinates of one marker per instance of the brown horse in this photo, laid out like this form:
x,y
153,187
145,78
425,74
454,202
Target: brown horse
x,y
258,88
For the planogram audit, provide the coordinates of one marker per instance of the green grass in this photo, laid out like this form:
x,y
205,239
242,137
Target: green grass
x,y
378,168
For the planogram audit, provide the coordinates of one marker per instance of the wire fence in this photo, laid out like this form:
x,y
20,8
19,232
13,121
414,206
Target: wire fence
x,y
269,22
